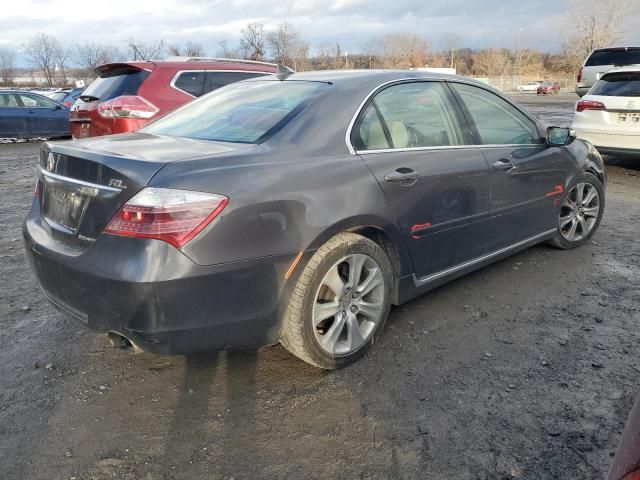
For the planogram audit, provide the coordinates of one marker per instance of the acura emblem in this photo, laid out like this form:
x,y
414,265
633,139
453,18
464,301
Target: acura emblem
x,y
51,162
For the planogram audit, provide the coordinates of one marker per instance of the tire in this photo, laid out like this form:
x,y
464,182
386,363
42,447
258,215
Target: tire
x,y
583,216
338,339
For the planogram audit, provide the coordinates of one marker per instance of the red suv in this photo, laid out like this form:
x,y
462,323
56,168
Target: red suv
x,y
128,95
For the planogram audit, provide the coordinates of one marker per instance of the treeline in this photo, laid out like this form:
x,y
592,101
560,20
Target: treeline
x,y
599,25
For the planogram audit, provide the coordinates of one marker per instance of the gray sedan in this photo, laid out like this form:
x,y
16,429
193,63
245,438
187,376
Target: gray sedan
x,y
298,208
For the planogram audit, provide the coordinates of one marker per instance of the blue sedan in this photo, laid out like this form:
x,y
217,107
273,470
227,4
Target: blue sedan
x,y
26,114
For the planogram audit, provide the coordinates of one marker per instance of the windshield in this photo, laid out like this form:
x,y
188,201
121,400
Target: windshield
x,y
243,112
621,84
618,56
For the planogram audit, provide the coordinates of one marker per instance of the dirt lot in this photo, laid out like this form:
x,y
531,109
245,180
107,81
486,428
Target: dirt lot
x,y
525,369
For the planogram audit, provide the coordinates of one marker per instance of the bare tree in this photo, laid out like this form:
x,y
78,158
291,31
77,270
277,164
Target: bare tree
x,y
595,24
285,44
492,62
252,42
61,56
41,52
189,49
227,52
89,55
147,50
403,50
452,40
7,59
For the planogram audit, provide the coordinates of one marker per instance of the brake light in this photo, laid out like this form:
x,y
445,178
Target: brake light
x,y
173,216
579,75
127,106
583,105
67,104
635,475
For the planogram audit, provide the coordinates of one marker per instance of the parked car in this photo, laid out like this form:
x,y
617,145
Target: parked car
x,y
25,114
128,95
626,463
530,87
66,97
609,115
297,209
548,87
601,61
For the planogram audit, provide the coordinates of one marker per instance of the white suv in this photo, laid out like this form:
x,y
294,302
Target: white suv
x,y
601,61
609,115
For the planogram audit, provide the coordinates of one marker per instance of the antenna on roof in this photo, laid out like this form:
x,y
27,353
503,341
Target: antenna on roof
x,y
283,72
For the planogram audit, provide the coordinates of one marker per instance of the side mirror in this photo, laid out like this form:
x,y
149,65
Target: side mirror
x,y
559,136
57,107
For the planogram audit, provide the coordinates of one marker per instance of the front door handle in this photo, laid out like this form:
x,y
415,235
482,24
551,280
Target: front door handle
x,y
406,176
503,164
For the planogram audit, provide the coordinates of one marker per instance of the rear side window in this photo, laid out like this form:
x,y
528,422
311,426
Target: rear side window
x,y
617,56
620,84
114,84
409,115
36,101
190,82
242,113
496,120
216,80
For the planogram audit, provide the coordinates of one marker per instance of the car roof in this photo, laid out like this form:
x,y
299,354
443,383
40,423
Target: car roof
x,y
192,63
344,77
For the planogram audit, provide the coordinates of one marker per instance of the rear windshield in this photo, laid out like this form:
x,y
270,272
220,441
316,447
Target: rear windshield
x,y
244,112
113,84
618,57
621,84
57,96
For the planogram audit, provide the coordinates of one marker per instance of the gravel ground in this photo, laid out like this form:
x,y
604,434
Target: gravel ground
x,y
525,369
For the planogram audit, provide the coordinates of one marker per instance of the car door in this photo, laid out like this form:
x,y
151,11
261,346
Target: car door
x,y
527,176
13,121
44,116
411,136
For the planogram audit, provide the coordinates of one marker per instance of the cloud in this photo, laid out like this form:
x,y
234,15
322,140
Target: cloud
x,y
486,23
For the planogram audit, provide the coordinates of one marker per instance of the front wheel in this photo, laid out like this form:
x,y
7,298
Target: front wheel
x,y
340,302
580,213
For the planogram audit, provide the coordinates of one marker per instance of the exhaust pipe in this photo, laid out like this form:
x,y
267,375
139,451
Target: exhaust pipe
x,y
121,342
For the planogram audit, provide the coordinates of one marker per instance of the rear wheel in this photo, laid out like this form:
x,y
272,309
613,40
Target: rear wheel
x,y
340,302
580,213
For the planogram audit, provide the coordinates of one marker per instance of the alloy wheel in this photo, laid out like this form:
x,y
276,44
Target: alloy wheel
x,y
349,304
579,212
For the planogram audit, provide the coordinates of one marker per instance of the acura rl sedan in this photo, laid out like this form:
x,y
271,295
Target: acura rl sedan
x,y
297,208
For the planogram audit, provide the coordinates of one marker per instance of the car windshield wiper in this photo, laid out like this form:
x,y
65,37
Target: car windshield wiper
x,y
88,98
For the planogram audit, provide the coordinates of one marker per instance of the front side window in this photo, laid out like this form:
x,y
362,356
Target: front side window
x,y
35,101
496,120
409,115
242,112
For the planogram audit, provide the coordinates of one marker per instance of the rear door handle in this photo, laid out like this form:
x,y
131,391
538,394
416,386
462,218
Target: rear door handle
x,y
503,164
406,176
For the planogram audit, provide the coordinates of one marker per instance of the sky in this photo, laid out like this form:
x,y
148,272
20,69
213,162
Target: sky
x,y
478,23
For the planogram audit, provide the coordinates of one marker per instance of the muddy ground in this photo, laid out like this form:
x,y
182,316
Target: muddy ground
x,y
525,369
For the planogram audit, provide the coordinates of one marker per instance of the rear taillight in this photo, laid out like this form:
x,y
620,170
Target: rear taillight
x,y
579,75
173,216
635,475
583,105
67,104
127,106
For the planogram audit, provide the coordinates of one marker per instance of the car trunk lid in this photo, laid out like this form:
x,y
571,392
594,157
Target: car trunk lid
x,y
83,184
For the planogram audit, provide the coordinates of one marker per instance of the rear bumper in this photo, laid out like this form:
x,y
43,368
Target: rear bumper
x,y
154,295
610,143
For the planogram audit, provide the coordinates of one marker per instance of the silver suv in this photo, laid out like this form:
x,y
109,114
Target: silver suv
x,y
602,60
